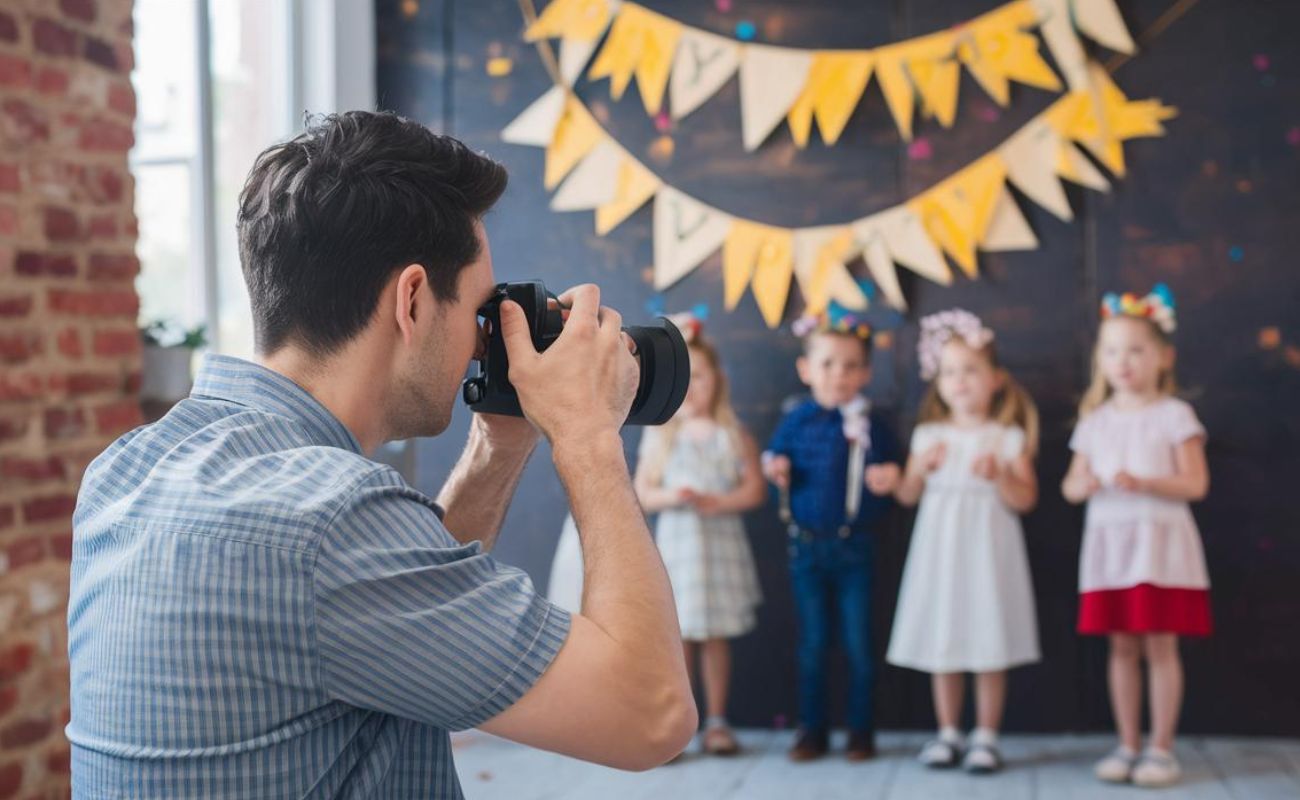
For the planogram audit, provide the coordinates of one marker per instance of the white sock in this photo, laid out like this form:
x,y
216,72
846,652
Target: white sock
x,y
984,736
715,722
949,735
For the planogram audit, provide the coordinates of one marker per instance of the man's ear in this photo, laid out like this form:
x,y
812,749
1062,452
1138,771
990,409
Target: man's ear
x,y
410,299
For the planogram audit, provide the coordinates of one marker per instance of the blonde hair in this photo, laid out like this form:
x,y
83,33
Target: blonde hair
x,y
657,443
1011,404
1099,390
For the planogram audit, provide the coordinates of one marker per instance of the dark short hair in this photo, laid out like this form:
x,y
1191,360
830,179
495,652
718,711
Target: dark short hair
x,y
865,344
326,218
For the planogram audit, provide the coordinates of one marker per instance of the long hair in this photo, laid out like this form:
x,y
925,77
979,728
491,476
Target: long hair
x,y
657,443
1011,404
1099,390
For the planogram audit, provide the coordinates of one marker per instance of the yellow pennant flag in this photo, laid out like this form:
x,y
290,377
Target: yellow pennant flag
x,y
1102,118
835,83
895,65
575,135
956,212
635,186
760,256
819,255
582,20
996,49
937,80
640,43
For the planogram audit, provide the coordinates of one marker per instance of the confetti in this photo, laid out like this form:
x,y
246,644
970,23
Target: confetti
x,y
920,150
746,30
661,149
655,305
1270,338
723,6
410,8
1293,136
663,122
500,66
701,311
1236,253
1261,62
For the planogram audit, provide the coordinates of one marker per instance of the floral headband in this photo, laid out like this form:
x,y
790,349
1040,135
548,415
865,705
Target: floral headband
x,y
1158,306
940,328
691,326
835,319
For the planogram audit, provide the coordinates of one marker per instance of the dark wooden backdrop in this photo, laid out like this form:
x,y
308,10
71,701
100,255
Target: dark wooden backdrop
x,y
1211,210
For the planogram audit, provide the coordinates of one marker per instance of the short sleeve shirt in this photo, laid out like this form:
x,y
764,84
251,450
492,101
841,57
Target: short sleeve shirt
x,y
257,610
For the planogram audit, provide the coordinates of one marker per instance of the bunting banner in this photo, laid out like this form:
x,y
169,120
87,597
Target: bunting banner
x,y
801,86
968,212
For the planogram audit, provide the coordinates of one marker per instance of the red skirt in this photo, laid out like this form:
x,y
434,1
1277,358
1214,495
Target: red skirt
x,y
1146,609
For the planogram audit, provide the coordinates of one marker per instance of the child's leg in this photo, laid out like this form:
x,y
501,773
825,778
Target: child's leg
x,y
1125,681
990,699
717,676
1166,690
948,688
854,599
810,596
689,651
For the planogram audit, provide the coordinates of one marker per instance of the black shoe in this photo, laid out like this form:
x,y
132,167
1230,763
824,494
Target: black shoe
x,y
862,746
809,745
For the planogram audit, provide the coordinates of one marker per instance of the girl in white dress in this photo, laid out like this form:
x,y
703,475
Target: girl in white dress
x,y
699,472
966,602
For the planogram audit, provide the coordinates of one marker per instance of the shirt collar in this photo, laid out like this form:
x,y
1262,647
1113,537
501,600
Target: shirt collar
x,y
238,381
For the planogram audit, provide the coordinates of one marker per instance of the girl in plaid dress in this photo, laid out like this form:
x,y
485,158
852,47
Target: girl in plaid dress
x,y
700,472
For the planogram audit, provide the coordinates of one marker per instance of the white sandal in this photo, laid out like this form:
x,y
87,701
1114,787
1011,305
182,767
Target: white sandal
x,y
1117,767
1156,769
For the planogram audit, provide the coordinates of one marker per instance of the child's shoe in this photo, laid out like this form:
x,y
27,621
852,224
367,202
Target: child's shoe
x,y
862,746
1117,767
1156,769
983,757
809,745
944,752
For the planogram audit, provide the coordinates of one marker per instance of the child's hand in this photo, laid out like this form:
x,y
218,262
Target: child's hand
x,y
1129,483
777,470
1085,485
882,479
707,505
987,467
686,496
931,459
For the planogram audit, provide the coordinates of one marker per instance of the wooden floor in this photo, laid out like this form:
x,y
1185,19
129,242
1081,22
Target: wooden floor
x,y
1046,767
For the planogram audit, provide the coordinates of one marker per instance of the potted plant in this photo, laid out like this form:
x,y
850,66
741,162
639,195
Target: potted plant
x,y
168,352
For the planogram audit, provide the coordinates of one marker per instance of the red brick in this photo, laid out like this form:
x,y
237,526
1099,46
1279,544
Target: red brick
x,y
9,178
12,428
24,552
118,418
15,71
11,779
32,469
8,28
99,135
117,343
52,80
19,387
26,732
59,760
19,346
52,507
83,10
103,227
98,51
15,305
101,304
79,383
64,423
70,343
8,699
113,267
121,98
59,265
6,516
14,661
8,220
54,39
61,225
125,56
24,122
104,185
134,380
61,546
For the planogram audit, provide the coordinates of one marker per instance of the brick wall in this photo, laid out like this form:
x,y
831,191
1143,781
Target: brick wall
x,y
69,352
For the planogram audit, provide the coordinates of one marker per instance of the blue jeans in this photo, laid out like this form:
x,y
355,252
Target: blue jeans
x,y
831,580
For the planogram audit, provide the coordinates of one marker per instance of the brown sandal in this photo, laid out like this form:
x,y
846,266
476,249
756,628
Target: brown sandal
x,y
720,741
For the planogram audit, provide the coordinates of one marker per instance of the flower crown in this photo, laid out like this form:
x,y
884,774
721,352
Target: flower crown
x,y
1158,306
942,327
691,326
835,319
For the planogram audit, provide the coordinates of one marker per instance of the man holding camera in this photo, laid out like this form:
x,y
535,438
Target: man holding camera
x,y
258,610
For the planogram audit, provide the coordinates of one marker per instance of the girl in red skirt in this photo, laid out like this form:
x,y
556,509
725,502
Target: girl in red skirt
x,y
1139,458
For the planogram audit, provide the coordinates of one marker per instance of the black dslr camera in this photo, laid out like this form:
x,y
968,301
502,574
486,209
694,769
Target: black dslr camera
x,y
660,350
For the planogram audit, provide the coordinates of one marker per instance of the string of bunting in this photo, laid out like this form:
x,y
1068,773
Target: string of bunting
x,y
802,85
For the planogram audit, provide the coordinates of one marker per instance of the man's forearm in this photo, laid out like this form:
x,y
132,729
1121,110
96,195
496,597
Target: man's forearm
x,y
480,487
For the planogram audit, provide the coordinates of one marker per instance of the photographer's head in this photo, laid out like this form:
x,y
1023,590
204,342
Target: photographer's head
x,y
365,258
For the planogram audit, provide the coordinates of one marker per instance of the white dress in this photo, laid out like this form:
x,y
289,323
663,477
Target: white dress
x,y
967,602
709,563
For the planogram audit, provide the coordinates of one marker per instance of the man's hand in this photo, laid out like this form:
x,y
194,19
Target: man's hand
x,y
882,479
777,470
582,387
505,434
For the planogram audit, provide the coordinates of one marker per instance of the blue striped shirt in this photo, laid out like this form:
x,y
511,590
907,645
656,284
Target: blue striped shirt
x,y
259,611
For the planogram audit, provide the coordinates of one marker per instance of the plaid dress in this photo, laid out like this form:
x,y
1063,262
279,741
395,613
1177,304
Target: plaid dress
x,y
708,559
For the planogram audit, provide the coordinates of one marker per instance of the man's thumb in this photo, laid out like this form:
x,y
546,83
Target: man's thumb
x,y
514,331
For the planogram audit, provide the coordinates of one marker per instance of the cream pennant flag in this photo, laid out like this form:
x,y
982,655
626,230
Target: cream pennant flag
x,y
592,183
685,233
1100,21
576,135
634,186
536,125
875,253
1075,167
760,256
819,265
908,242
1031,156
574,55
1057,29
835,83
704,62
1008,229
771,78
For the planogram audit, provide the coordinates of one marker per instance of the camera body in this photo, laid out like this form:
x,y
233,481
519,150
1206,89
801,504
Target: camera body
x,y
661,354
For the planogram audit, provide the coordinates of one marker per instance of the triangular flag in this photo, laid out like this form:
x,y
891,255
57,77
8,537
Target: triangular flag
x,y
893,63
1008,229
536,125
836,81
759,255
937,80
1058,31
908,242
1100,20
956,212
574,55
592,183
1102,118
703,64
1030,155
819,256
997,49
575,136
685,233
1075,167
583,20
634,187
897,89
771,78
881,266
640,43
